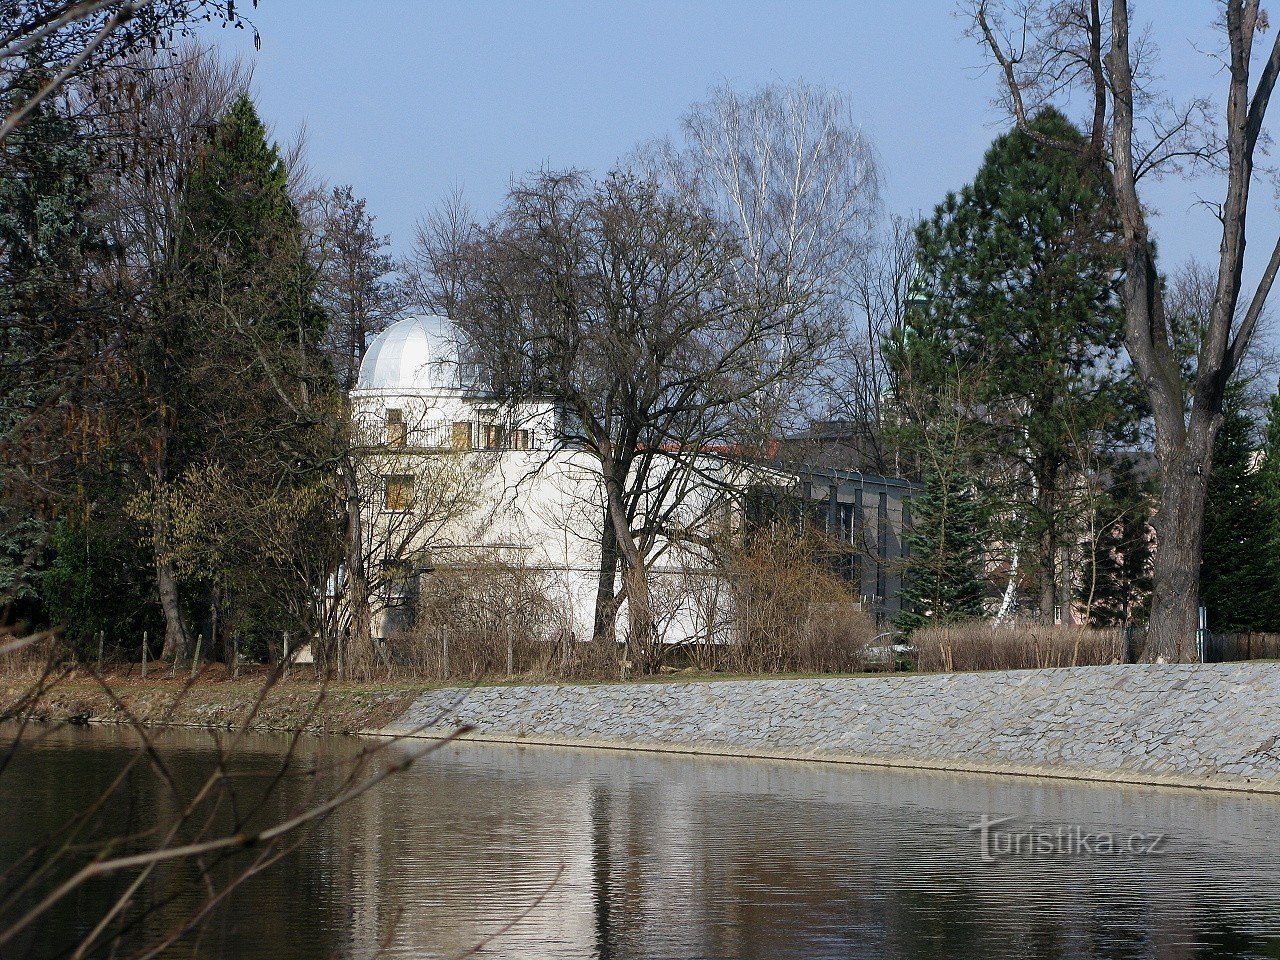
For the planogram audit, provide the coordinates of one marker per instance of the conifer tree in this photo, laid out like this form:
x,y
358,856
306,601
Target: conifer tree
x,y
1017,272
237,332
946,538
1116,586
1240,564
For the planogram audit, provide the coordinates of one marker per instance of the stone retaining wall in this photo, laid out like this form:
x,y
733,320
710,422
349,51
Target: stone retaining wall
x,y
1214,725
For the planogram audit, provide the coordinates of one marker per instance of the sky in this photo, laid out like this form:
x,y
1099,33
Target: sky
x,y
408,101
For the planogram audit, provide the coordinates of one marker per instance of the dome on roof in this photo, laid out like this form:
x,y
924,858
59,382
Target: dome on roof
x,y
417,353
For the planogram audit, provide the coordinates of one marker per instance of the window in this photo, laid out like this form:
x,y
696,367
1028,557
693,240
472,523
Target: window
x,y
494,436
520,440
399,493
462,436
397,432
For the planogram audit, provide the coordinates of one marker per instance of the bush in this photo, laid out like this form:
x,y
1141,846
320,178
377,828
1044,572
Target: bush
x,y
794,613
478,621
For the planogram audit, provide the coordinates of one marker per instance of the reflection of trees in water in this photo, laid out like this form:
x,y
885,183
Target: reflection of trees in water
x,y
635,856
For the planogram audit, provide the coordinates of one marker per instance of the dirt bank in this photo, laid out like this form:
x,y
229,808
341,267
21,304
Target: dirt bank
x,y
298,702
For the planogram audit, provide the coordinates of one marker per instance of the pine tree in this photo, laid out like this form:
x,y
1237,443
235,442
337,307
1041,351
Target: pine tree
x,y
1240,563
943,576
241,243
1017,274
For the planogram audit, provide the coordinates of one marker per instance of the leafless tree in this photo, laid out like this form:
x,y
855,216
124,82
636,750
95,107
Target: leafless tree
x,y
1087,52
788,170
406,499
75,39
357,286
855,382
633,310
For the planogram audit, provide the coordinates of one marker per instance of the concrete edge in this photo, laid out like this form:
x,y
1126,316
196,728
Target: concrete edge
x,y
713,749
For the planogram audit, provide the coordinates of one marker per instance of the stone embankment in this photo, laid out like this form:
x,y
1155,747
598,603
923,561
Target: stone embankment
x,y
1199,726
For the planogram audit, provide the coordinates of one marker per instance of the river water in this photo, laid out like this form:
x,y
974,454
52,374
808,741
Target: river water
x,y
544,852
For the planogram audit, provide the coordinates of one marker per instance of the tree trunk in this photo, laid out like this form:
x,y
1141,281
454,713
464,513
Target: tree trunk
x,y
1179,525
177,639
640,629
1046,548
605,628
358,658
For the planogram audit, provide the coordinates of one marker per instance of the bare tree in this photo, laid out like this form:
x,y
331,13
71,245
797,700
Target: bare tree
x,y
356,284
1083,50
631,309
788,170
76,39
406,498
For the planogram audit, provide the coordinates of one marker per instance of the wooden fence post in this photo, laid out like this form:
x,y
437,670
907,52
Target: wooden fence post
x,y
195,655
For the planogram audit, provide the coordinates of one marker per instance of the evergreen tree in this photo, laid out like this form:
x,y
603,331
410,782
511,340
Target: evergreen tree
x,y
49,240
943,575
1269,469
235,353
1116,587
1240,563
1017,274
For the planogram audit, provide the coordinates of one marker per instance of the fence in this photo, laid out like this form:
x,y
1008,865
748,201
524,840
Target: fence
x,y
1231,647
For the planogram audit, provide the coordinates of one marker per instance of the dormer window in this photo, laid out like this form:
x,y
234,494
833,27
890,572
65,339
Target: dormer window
x,y
397,430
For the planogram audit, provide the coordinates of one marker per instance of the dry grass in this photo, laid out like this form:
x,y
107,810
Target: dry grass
x,y
977,645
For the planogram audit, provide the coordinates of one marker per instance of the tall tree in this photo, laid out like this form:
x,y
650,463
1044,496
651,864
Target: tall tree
x,y
630,308
237,331
1084,52
356,282
1018,269
790,170
1240,563
53,311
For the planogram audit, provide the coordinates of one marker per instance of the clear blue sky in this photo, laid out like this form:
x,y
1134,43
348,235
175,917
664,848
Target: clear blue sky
x,y
407,100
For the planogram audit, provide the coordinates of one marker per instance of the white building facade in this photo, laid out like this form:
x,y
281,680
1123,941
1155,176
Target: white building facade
x,y
458,480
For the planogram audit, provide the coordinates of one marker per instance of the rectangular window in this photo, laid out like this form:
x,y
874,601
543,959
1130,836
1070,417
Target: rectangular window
x,y
521,440
462,435
399,492
397,432
494,437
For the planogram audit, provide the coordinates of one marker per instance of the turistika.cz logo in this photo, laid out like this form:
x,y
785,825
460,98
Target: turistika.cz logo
x,y
998,842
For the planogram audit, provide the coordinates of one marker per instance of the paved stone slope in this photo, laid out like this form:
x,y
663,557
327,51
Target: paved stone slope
x,y
1210,725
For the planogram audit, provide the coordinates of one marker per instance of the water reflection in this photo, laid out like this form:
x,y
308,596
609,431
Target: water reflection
x,y
612,855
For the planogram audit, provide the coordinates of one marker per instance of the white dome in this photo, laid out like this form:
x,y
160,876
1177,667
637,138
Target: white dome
x,y
417,353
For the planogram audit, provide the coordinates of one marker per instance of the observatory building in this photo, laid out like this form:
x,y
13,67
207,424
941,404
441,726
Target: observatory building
x,y
453,481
